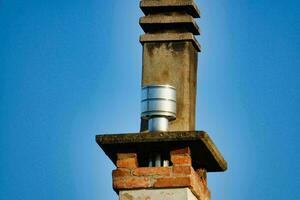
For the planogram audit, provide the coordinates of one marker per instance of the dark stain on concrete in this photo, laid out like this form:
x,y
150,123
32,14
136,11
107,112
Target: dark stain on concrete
x,y
177,46
128,196
152,46
165,74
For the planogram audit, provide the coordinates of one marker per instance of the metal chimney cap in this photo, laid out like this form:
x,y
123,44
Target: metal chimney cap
x,y
158,101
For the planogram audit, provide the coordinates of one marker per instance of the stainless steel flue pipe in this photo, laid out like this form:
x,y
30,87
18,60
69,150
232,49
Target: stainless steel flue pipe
x,y
158,107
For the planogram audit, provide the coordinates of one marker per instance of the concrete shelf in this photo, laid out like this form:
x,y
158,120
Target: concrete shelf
x,y
154,6
203,151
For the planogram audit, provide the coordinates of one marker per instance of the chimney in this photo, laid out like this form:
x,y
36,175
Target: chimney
x,y
168,158
170,52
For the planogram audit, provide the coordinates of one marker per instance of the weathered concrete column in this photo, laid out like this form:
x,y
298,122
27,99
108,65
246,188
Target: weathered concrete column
x,y
170,52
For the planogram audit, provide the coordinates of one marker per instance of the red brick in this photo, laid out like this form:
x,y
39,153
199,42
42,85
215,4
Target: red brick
x,y
131,183
184,151
136,182
197,192
196,182
202,173
204,182
199,187
120,172
181,160
118,183
151,171
172,182
195,176
121,156
200,193
182,170
130,163
207,195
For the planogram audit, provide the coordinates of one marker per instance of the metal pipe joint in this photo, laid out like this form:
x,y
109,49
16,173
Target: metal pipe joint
x,y
158,106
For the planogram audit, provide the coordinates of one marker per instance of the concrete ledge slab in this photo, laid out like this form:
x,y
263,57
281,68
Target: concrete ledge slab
x,y
203,151
170,37
153,23
154,6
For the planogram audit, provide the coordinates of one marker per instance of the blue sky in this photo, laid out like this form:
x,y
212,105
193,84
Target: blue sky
x,y
72,69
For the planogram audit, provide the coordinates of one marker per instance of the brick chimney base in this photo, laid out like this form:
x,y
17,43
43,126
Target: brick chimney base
x,y
178,181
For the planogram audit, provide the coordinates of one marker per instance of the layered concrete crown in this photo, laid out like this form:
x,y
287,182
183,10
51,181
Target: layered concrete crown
x,y
166,17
